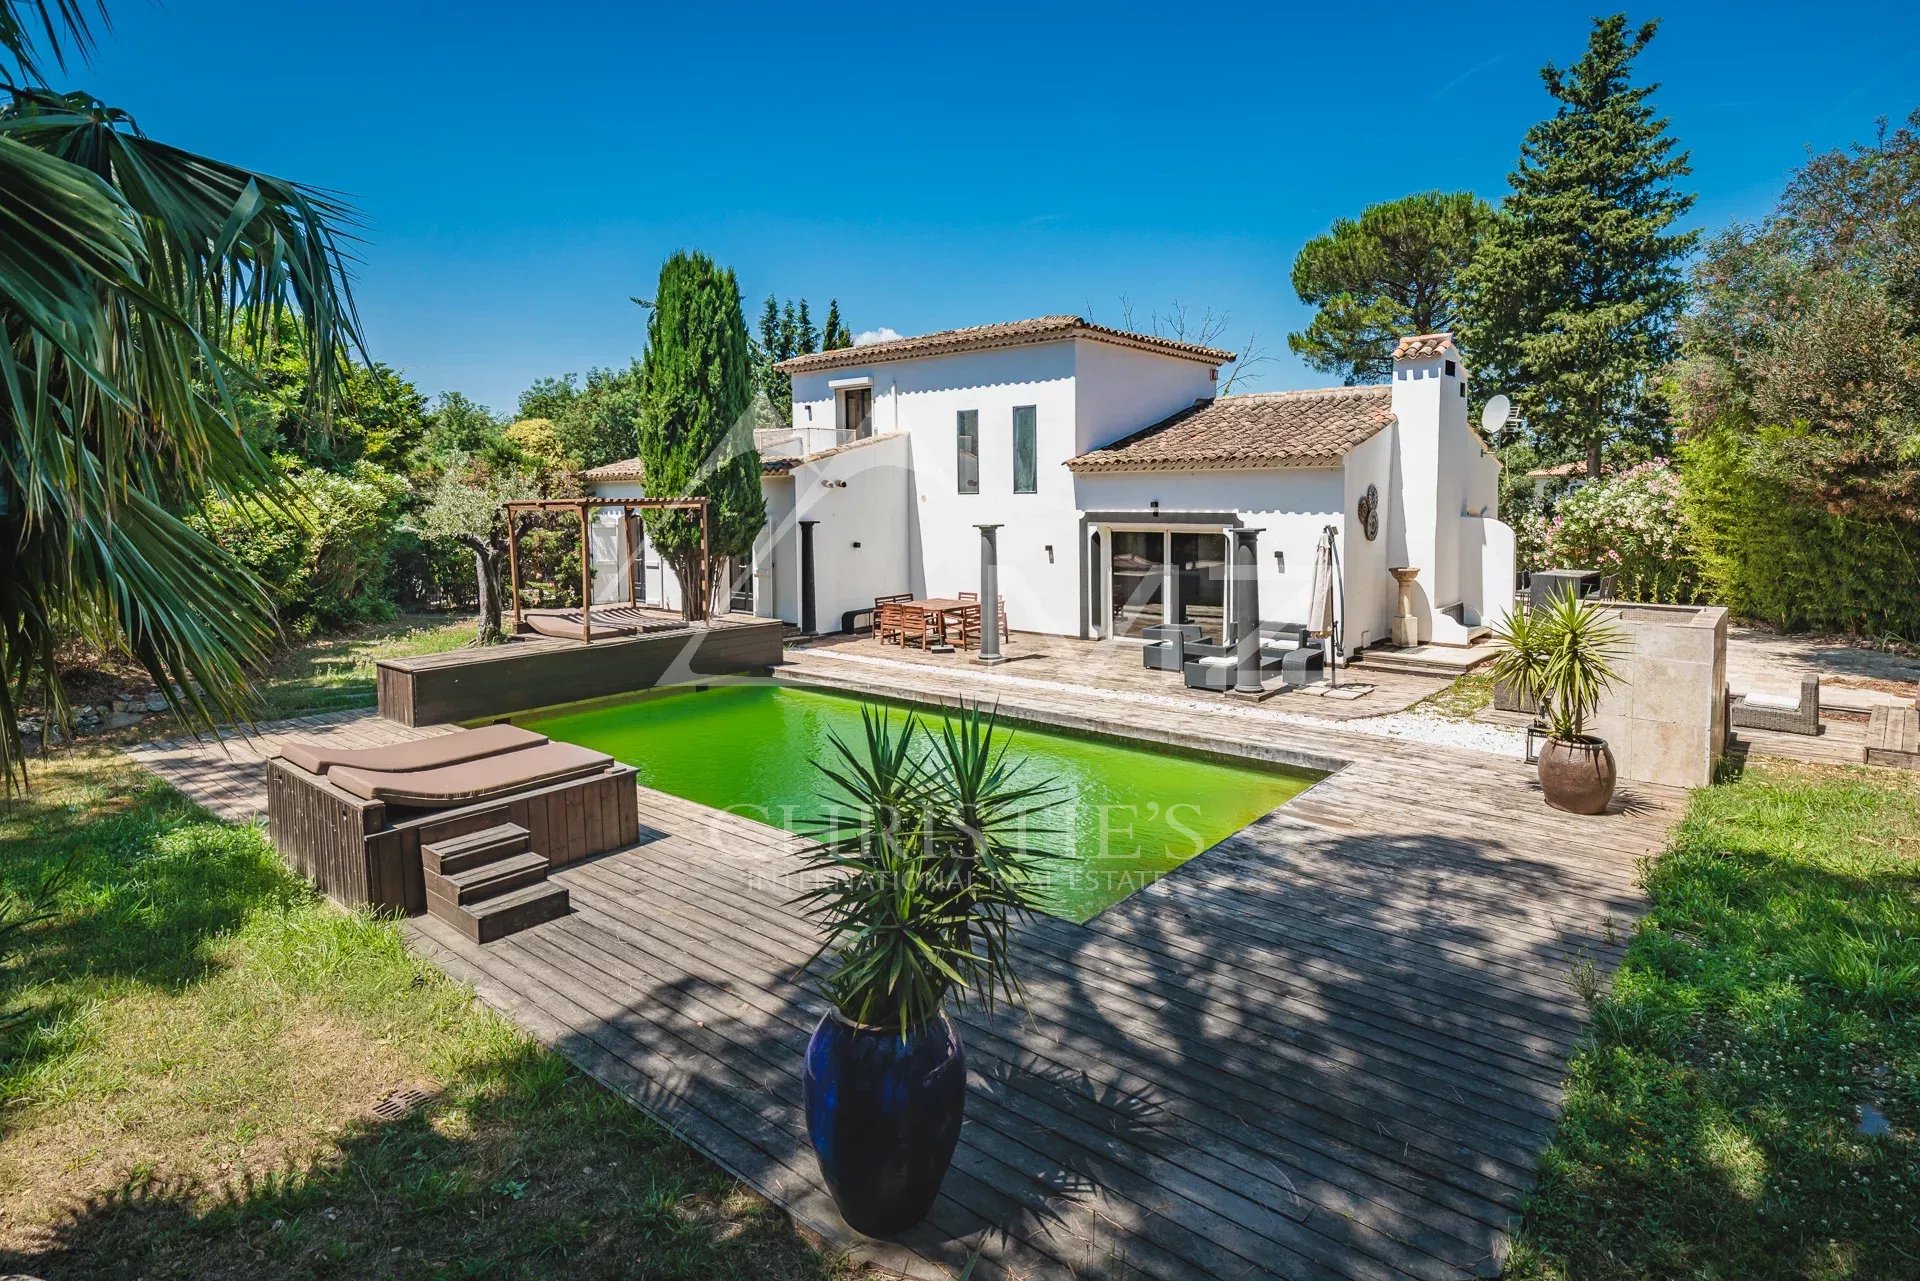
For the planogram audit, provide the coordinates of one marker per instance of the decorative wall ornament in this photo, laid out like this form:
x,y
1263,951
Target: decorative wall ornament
x,y
1369,512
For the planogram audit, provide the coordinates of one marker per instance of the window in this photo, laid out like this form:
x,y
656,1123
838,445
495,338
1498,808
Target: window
x,y
1452,369
856,414
967,444
1026,465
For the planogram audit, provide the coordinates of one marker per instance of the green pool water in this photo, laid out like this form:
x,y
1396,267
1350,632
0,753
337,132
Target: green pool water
x,y
1126,815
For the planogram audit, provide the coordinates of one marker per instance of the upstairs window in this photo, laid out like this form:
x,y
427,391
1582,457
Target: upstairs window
x,y
1026,461
967,450
856,414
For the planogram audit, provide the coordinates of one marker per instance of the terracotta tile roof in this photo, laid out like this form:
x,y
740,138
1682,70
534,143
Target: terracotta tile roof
x,y
1425,347
625,469
1018,333
1267,429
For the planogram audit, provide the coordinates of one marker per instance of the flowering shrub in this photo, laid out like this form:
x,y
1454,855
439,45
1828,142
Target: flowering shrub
x,y
1629,526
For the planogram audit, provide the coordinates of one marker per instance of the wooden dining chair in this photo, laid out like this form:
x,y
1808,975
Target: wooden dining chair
x,y
887,623
880,604
975,614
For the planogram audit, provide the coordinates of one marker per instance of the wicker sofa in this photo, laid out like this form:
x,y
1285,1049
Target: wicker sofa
x,y
1776,712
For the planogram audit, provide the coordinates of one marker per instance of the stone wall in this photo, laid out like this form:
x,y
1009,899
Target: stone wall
x,y
1666,715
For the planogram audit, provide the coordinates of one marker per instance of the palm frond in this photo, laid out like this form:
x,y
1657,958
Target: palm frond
x,y
131,274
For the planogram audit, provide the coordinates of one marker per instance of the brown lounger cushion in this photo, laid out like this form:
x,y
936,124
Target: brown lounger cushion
x,y
471,781
566,625
425,753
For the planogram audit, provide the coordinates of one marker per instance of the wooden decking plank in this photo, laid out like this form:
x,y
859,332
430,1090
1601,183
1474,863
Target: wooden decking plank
x,y
620,1021
1437,1156
1189,1147
1384,1033
557,1022
1205,1207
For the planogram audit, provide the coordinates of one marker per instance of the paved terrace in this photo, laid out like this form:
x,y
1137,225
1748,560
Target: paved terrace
x,y
1331,1046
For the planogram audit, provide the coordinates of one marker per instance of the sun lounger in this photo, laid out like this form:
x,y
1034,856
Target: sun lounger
x,y
421,754
608,623
471,781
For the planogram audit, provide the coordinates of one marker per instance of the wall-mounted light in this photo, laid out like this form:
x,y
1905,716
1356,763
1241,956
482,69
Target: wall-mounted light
x,y
1279,561
1155,505
1049,553
856,546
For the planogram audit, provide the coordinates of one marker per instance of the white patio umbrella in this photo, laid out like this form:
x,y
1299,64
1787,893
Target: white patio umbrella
x,y
1322,618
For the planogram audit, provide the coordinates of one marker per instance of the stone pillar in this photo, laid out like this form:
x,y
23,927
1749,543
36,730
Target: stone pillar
x,y
807,615
989,595
1406,623
1246,609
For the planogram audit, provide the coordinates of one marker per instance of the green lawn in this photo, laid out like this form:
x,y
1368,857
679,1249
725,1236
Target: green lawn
x,y
191,1092
1713,1121
336,672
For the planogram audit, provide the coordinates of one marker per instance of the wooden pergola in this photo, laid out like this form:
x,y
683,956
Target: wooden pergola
x,y
697,600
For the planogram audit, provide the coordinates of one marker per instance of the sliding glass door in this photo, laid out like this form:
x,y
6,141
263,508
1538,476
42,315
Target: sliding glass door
x,y
1154,575
1138,580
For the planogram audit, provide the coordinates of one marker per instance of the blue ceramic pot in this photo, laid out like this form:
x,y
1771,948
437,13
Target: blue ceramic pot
x,y
884,1115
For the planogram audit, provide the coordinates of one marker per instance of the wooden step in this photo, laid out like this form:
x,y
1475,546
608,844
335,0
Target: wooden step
x,y
488,880
458,853
503,914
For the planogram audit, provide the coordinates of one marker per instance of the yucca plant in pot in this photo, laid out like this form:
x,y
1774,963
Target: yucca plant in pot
x,y
1560,656
926,862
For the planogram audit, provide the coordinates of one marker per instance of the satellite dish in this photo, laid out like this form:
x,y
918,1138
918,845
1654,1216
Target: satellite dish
x,y
1495,414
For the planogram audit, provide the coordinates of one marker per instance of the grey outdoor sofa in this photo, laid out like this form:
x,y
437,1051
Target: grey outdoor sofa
x,y
1774,712
1285,648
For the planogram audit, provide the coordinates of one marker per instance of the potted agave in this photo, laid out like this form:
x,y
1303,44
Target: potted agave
x,y
1559,657
921,872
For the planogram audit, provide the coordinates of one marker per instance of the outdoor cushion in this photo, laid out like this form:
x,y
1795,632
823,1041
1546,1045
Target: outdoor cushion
x,y
1779,702
565,624
1226,661
1280,646
401,758
470,781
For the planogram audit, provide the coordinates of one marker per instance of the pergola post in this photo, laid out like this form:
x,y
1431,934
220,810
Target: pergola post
x,y
706,562
513,561
633,556
586,581
989,595
1246,595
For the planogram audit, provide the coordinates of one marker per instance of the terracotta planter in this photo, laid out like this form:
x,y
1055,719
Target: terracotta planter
x,y
1579,776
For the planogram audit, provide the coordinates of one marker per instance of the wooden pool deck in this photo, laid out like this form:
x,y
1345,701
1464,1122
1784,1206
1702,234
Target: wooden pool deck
x,y
1330,1047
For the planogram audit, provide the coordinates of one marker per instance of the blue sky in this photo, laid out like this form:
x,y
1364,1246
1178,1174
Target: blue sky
x,y
524,169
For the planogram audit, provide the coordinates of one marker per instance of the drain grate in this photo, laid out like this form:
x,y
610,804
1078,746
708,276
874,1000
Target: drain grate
x,y
396,1103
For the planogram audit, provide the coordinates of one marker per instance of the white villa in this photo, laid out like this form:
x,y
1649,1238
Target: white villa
x,y
1116,477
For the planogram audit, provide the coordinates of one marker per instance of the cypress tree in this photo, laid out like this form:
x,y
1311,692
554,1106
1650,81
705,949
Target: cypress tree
x,y
1571,302
834,334
696,425
805,337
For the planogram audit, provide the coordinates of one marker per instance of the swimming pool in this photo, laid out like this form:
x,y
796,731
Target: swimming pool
x,y
1126,814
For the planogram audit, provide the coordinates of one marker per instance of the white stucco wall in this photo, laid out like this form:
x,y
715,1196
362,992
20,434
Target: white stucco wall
x,y
1119,390
860,499
1369,599
924,398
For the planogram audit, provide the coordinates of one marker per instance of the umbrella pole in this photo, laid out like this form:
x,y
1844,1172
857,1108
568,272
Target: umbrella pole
x,y
1339,605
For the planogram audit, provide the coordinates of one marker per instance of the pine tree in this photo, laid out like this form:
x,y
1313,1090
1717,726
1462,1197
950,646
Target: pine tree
x,y
1571,302
770,330
1375,279
696,425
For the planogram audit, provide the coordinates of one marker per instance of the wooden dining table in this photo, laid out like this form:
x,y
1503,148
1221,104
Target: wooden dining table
x,y
944,607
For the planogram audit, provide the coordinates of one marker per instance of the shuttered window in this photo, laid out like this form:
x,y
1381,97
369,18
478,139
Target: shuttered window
x,y
1026,458
967,444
